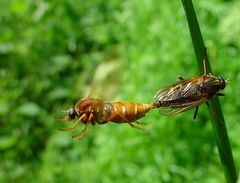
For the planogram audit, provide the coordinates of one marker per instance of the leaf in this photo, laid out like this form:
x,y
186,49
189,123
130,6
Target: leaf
x,y
58,93
29,109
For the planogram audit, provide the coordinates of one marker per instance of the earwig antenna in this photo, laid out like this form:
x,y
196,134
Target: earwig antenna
x,y
75,124
65,111
60,119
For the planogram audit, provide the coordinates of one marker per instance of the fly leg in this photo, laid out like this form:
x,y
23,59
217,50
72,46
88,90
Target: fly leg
x,y
196,110
75,124
204,60
124,119
195,113
80,135
220,94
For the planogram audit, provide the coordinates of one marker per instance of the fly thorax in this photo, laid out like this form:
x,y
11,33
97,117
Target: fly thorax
x,y
210,86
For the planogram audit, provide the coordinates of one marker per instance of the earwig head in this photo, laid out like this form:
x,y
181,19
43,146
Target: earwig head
x,y
83,106
222,82
71,113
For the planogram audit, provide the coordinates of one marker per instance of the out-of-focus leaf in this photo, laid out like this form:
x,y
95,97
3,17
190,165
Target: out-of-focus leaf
x,y
29,109
18,6
60,62
8,141
6,48
229,26
58,93
4,108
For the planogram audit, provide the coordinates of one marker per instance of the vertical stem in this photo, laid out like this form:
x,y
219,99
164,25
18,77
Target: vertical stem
x,y
215,111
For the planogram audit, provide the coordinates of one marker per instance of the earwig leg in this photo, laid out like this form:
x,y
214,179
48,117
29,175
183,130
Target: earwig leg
x,y
75,124
125,120
142,123
204,61
195,113
180,77
207,104
220,94
84,129
80,135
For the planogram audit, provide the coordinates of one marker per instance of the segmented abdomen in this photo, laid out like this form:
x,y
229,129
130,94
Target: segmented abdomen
x,y
129,110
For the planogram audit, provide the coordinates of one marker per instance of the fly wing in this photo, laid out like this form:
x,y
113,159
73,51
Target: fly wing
x,y
181,107
187,89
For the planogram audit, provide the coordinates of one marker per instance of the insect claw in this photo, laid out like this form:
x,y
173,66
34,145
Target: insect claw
x,y
207,104
142,123
195,113
62,129
180,77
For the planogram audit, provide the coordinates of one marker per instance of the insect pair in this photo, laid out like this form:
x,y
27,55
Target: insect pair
x,y
172,99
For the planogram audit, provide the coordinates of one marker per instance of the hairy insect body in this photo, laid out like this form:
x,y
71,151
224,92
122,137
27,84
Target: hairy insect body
x,y
190,92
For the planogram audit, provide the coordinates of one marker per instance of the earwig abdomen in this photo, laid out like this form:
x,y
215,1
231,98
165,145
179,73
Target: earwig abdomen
x,y
130,110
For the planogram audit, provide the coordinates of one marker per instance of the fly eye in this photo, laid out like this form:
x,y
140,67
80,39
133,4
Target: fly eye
x,y
222,82
71,113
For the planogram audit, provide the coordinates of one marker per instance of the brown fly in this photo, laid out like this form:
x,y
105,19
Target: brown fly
x,y
90,110
189,93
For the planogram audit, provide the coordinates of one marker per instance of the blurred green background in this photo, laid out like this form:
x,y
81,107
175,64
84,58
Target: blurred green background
x,y
52,53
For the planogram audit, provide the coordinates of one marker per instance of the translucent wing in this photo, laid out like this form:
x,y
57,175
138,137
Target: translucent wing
x,y
180,107
187,89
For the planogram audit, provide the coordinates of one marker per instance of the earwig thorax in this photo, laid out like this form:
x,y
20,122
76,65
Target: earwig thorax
x,y
88,105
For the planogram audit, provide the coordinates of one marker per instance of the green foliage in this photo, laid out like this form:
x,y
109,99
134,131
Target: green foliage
x,y
51,53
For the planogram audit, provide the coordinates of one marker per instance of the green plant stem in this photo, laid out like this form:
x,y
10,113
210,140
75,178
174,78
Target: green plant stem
x,y
215,111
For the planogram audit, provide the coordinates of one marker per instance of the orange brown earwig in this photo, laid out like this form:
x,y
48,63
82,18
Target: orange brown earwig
x,y
90,110
189,93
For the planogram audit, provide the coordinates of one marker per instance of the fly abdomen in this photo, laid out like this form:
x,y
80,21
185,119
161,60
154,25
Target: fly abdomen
x,y
162,103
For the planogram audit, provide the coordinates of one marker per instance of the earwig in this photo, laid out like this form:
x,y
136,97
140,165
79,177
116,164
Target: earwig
x,y
90,110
